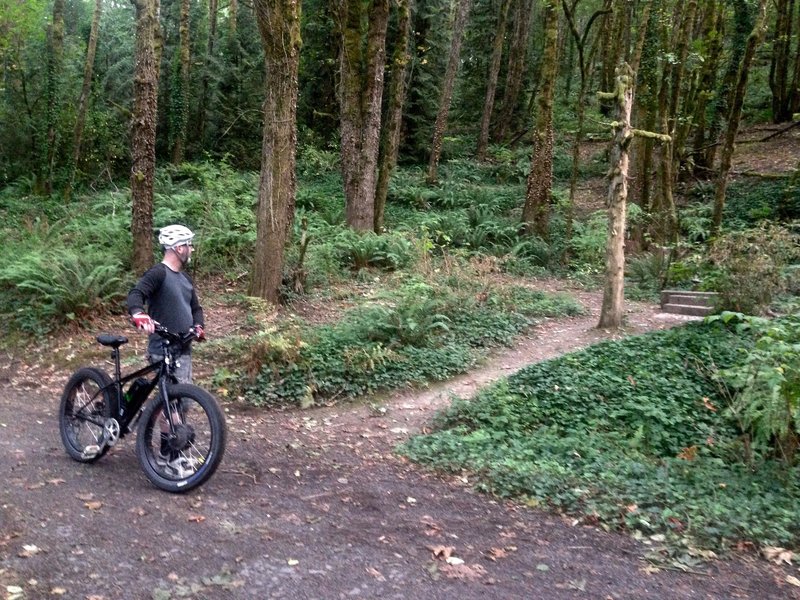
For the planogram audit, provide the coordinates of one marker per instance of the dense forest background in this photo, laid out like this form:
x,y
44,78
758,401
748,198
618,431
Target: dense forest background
x,y
102,94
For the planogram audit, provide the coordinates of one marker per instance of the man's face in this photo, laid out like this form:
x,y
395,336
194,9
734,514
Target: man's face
x,y
184,252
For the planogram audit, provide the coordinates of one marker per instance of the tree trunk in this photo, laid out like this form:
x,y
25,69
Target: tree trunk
x,y
517,55
779,71
55,61
83,101
360,94
585,69
613,292
180,108
726,155
459,24
279,25
535,213
707,83
203,101
494,74
143,135
390,136
743,25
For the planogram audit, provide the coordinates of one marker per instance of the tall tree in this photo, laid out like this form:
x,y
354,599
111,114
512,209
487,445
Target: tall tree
x,y
143,136
279,25
494,74
536,212
83,100
202,107
515,69
735,115
55,61
616,201
360,94
459,24
780,66
390,133
585,64
180,95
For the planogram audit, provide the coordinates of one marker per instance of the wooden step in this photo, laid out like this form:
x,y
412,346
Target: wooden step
x,y
688,297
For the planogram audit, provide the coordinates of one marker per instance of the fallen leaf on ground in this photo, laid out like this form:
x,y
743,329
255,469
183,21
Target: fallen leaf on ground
x,y
793,580
196,519
778,555
444,552
376,574
29,550
95,505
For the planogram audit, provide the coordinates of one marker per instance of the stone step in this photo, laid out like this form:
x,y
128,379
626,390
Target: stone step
x,y
688,309
689,298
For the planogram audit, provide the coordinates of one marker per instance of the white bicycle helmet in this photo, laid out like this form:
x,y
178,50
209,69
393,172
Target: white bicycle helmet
x,y
173,236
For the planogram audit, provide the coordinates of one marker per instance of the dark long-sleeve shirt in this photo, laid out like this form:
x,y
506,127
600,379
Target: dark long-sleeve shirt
x,y
170,298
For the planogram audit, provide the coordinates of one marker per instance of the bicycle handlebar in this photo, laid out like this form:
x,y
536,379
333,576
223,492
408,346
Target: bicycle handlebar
x,y
181,338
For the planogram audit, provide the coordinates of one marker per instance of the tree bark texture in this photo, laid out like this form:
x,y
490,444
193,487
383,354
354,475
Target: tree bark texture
x,y
203,100
726,154
279,26
55,63
86,89
535,213
360,93
143,134
491,85
180,108
515,69
613,291
780,67
390,135
439,127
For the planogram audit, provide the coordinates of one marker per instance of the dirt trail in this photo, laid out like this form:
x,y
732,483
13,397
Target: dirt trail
x,y
314,504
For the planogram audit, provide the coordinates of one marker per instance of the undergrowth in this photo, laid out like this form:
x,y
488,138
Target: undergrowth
x,y
636,434
417,332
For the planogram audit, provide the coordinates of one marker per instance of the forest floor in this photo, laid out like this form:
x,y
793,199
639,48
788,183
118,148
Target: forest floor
x,y
315,503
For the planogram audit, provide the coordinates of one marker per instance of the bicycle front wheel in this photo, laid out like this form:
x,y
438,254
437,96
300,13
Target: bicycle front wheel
x,y
85,407
181,453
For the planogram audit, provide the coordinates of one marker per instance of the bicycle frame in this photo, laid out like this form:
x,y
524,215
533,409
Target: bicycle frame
x,y
124,412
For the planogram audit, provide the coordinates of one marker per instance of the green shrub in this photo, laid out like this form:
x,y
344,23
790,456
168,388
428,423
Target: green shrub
x,y
633,433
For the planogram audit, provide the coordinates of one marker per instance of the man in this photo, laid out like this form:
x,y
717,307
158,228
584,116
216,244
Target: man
x,y
170,298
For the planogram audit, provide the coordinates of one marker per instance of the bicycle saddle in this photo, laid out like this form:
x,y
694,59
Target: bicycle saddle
x,y
115,341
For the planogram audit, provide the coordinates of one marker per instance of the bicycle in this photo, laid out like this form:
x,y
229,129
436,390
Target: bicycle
x,y
181,432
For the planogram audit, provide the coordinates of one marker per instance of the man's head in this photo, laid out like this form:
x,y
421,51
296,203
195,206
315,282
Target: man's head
x,y
177,239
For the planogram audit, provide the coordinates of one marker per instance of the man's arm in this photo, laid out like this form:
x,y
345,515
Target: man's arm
x,y
144,289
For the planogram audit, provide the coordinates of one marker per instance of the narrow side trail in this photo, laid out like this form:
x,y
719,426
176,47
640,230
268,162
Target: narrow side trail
x,y
315,504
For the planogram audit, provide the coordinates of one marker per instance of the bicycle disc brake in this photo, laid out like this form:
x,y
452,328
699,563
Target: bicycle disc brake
x,y
111,432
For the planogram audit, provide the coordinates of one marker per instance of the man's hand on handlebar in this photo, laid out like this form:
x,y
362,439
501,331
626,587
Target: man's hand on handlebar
x,y
144,322
199,333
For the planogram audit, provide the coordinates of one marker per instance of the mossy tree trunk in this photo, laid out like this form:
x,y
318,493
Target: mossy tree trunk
x,y
360,94
180,100
279,26
390,134
515,69
440,126
55,62
536,211
780,65
143,135
202,103
736,103
83,100
491,85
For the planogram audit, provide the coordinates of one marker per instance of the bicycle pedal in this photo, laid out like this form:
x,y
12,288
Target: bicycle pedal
x,y
90,451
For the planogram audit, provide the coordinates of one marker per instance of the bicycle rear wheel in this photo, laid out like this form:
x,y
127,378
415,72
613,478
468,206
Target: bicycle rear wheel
x,y
85,407
182,457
